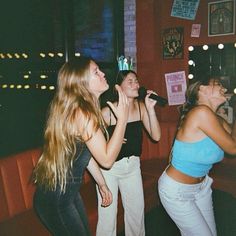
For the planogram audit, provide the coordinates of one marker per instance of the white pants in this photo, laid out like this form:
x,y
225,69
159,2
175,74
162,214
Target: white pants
x,y
189,205
124,175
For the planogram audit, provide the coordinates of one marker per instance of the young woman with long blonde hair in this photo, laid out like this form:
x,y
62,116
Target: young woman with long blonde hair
x,y
74,132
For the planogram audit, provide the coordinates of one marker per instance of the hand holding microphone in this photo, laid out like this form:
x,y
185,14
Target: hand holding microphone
x,y
160,100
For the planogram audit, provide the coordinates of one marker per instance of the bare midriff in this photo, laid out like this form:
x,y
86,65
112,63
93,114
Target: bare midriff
x,y
181,177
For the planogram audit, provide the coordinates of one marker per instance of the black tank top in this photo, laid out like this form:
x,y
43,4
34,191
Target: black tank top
x,y
133,136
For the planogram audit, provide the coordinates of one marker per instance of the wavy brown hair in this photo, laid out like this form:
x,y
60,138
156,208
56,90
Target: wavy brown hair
x,y
61,134
191,96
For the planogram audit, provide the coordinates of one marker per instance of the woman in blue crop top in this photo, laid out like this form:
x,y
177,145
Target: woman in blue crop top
x,y
125,174
75,132
201,139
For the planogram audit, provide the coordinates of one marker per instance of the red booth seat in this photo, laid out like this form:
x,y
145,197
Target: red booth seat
x,y
16,189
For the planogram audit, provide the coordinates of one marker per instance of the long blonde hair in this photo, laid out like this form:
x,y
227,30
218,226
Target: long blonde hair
x,y
61,133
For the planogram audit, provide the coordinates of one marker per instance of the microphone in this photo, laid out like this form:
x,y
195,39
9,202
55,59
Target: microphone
x,y
160,100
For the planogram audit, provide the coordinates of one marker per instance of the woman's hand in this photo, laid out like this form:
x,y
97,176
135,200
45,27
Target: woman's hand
x,y
121,111
106,195
150,103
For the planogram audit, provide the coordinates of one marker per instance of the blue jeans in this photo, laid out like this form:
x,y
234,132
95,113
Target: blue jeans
x,y
189,205
62,214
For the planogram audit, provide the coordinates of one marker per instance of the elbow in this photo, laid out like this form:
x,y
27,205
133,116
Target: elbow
x,y
107,165
157,137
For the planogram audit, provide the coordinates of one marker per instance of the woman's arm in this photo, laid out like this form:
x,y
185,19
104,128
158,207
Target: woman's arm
x,y
105,152
149,118
95,171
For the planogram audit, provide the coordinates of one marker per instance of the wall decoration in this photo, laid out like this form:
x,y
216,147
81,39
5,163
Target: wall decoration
x,y
221,18
195,32
185,9
172,39
226,111
176,87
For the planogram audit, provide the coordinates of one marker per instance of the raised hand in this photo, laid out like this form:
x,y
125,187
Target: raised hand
x,y
121,111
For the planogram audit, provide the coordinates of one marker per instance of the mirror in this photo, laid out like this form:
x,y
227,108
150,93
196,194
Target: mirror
x,y
218,60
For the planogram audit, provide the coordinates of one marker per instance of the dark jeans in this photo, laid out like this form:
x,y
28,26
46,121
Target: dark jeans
x,y
62,214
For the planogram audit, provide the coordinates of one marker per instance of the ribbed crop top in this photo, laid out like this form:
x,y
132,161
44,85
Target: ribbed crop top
x,y
133,136
196,159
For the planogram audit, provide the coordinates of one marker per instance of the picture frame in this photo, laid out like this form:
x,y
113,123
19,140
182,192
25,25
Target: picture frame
x,y
226,111
221,18
173,39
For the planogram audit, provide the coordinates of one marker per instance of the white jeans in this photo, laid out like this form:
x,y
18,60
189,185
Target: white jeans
x,y
124,175
189,205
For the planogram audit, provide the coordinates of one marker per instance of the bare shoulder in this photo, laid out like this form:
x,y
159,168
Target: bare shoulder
x,y
201,113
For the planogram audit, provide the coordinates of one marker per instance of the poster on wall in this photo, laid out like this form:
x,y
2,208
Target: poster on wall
x,y
195,32
173,39
221,18
185,9
176,87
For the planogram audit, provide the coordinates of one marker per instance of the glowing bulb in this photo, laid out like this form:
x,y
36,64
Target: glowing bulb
x,y
26,86
235,91
191,62
205,47
51,87
220,46
60,54
24,55
190,76
26,76
19,86
9,55
77,54
43,76
42,54
190,48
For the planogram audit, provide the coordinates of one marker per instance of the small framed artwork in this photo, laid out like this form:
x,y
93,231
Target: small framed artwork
x,y
172,39
221,18
226,111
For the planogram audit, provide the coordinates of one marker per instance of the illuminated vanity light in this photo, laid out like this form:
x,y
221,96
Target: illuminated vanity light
x,y
235,91
190,76
9,55
235,45
51,54
12,86
26,76
42,54
205,47
191,62
4,86
26,86
17,55
24,55
77,54
43,87
43,76
60,54
51,87
19,86
190,48
220,46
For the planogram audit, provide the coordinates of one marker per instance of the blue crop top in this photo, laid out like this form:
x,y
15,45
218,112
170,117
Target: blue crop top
x,y
196,159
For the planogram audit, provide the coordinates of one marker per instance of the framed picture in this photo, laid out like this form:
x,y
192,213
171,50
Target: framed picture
x,y
226,111
221,18
172,39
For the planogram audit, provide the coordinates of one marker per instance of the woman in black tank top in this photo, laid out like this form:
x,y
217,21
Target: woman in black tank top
x,y
125,174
